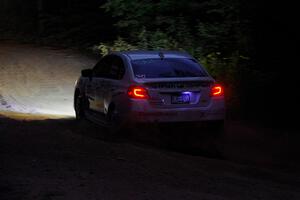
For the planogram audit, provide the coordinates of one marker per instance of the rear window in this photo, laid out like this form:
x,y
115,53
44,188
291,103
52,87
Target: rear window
x,y
167,68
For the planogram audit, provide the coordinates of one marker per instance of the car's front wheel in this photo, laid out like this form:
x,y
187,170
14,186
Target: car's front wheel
x,y
79,107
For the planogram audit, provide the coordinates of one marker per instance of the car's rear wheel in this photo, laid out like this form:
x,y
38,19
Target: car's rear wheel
x,y
114,122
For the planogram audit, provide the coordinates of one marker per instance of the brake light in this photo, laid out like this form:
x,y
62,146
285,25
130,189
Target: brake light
x,y
137,92
217,90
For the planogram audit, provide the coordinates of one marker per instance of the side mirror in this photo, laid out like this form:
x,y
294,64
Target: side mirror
x,y
88,73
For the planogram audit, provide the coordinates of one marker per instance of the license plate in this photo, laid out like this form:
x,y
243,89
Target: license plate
x,y
180,99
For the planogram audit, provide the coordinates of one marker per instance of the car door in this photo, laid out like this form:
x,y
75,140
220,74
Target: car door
x,y
94,86
101,74
112,82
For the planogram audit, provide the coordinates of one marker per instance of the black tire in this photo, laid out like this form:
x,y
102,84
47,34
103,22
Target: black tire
x,y
79,107
114,123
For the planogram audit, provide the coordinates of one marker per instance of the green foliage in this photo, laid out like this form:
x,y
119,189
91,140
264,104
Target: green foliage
x,y
118,45
201,28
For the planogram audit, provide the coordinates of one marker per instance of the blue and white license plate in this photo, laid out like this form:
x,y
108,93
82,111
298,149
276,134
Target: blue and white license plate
x,y
180,99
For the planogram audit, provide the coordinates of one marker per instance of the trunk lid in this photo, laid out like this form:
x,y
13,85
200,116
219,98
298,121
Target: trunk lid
x,y
179,92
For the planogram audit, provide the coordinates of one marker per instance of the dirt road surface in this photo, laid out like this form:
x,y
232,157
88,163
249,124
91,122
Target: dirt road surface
x,y
39,80
45,154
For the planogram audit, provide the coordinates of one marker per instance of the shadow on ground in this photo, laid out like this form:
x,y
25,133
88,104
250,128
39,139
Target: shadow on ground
x,y
241,143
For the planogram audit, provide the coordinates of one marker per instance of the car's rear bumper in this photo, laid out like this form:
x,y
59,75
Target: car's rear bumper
x,y
214,112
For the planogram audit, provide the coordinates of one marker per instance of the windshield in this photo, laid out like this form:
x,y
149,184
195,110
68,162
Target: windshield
x,y
167,68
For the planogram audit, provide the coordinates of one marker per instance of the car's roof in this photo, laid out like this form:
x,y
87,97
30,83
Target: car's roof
x,y
137,55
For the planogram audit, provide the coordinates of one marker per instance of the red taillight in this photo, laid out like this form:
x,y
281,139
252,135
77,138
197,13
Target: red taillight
x,y
137,92
217,90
